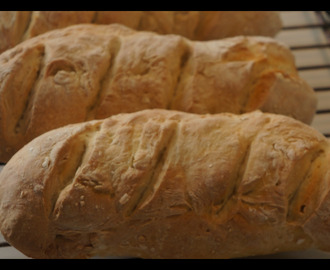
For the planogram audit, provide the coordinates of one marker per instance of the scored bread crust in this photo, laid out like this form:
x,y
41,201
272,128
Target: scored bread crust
x,y
169,184
85,72
16,26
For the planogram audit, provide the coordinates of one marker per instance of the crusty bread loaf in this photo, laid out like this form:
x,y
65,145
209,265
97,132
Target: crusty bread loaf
x,y
169,184
16,26
87,72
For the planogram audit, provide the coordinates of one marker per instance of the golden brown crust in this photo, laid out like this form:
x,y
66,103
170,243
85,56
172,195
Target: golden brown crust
x,y
234,23
168,184
13,25
197,25
44,21
124,70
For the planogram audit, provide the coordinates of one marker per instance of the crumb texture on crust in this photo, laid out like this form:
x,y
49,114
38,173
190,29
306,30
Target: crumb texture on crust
x,y
17,26
168,184
124,70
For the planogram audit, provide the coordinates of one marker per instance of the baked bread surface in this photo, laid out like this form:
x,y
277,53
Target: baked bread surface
x,y
17,26
169,184
85,72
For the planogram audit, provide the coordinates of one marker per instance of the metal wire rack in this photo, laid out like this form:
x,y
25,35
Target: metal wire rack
x,y
309,40
307,33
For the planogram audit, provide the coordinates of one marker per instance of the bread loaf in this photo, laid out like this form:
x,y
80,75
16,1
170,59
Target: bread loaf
x,y
87,72
16,26
168,184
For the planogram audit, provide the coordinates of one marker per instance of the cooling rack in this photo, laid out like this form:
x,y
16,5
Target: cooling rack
x,y
308,36
307,33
